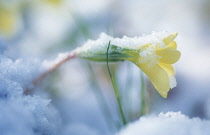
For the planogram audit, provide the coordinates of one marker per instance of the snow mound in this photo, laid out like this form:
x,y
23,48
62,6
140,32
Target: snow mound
x,y
171,123
21,114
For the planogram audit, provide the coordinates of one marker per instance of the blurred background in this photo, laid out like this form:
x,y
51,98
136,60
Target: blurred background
x,y
80,90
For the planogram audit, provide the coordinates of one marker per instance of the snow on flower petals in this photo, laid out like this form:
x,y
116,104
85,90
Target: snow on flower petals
x,y
147,45
154,54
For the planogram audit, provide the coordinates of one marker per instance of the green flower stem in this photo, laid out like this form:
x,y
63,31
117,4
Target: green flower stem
x,y
115,89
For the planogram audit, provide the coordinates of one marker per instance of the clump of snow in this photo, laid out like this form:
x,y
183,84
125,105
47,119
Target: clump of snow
x,y
26,115
21,114
171,123
17,75
19,71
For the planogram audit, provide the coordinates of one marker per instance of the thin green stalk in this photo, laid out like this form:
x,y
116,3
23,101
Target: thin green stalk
x,y
115,89
143,99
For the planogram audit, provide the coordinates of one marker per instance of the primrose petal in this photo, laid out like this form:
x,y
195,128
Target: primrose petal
x,y
168,55
158,76
170,38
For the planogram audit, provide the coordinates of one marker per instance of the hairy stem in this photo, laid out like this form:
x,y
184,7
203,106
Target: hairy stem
x,y
55,66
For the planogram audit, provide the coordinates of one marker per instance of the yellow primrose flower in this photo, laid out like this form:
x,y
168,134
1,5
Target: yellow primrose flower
x,y
153,54
161,73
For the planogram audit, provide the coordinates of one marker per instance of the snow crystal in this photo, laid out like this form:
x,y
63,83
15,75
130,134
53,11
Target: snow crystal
x,y
171,123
